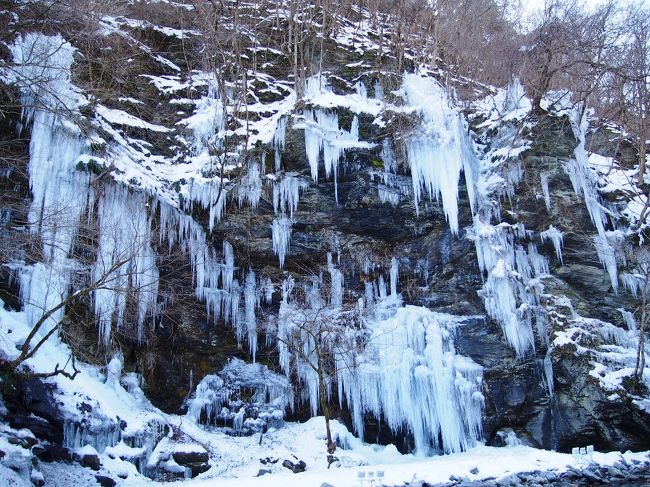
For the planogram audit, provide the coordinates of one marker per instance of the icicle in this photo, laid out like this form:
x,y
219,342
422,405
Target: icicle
x,y
515,95
511,290
410,376
125,260
354,129
394,274
543,178
336,276
382,288
436,155
607,255
555,236
267,289
60,193
361,90
250,291
279,141
250,187
582,178
629,320
548,372
233,316
281,235
323,135
228,266
390,166
379,91
286,194
212,196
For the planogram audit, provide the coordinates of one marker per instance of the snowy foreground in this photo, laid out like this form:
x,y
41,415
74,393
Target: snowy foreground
x,y
237,462
304,440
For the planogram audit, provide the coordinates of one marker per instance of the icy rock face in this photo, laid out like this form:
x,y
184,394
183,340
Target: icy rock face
x,y
354,244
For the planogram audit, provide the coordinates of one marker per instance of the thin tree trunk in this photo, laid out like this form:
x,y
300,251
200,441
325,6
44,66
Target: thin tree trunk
x,y
331,446
640,353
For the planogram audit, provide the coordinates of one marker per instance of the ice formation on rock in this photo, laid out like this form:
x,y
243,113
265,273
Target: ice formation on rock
x,y
410,375
281,236
543,179
555,236
438,150
220,397
279,141
126,263
210,195
249,189
323,134
511,290
286,194
60,193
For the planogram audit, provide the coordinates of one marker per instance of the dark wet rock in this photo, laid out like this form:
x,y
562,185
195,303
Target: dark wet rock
x,y
296,467
36,477
90,460
52,453
268,460
189,457
24,441
263,471
196,461
105,480
31,405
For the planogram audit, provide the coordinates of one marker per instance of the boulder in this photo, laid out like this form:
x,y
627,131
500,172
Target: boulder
x,y
88,457
52,453
105,480
297,467
195,457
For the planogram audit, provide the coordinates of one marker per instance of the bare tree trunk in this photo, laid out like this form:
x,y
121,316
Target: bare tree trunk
x,y
331,446
642,153
640,352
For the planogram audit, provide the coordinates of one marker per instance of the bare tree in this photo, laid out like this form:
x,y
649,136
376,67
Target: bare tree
x,y
314,341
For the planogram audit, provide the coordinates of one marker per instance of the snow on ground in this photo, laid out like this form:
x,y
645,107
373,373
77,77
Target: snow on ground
x,y
237,460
